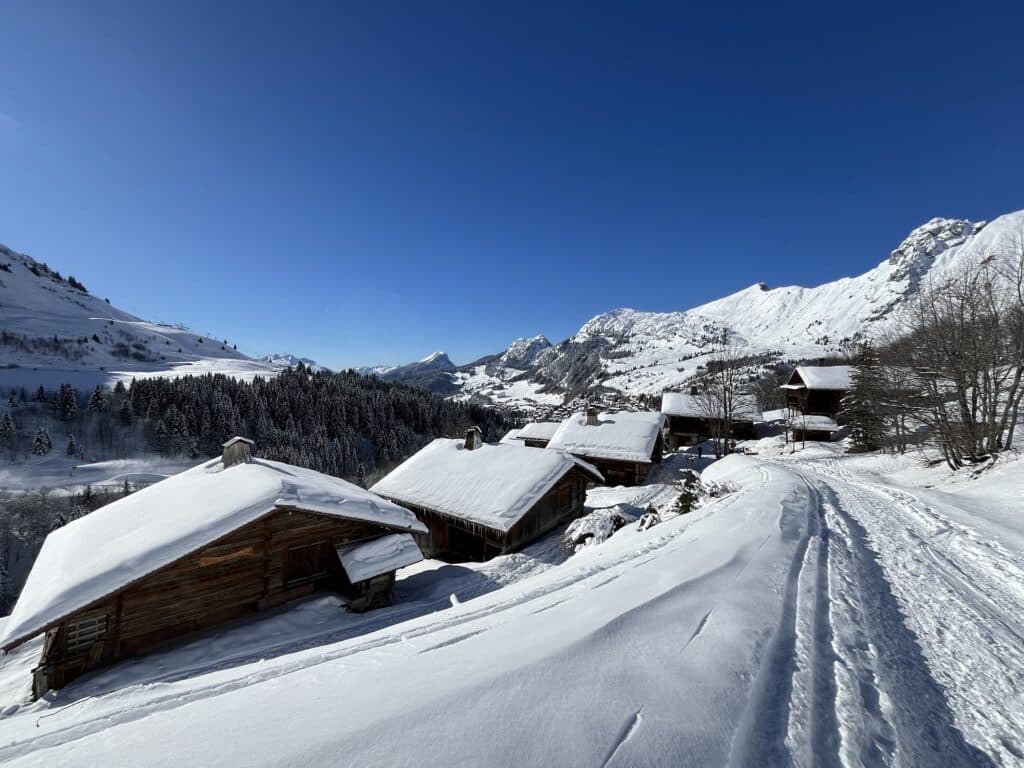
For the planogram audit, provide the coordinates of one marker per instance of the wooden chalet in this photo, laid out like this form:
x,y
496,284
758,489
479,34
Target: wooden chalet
x,y
687,422
229,537
623,445
479,500
818,389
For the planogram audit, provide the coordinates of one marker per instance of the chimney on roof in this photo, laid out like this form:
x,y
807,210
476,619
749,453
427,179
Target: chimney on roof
x,y
591,416
474,439
237,450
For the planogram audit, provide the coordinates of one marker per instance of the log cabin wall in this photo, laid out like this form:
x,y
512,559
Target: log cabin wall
x,y
283,555
460,539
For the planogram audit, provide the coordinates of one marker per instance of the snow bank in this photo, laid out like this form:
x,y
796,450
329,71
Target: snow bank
x,y
94,556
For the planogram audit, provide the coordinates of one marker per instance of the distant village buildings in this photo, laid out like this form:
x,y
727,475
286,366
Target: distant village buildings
x,y
229,537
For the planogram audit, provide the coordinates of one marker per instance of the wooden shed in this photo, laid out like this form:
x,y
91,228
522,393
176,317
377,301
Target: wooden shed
x,y
480,500
818,389
687,421
622,445
213,543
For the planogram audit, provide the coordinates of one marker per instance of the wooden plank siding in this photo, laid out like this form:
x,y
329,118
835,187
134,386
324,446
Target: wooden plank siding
x,y
240,573
455,538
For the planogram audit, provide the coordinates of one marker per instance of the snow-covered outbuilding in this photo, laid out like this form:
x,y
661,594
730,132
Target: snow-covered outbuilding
x,y
621,445
818,389
228,537
479,499
537,434
688,417
813,427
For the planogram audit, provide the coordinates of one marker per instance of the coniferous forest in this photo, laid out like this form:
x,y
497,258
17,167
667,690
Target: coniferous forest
x,y
343,424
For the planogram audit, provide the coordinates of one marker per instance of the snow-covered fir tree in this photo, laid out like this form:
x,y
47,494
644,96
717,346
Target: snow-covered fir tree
x,y
861,407
41,444
98,401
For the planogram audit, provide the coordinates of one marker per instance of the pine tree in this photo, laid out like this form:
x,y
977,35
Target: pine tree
x,y
125,412
67,402
72,450
8,431
119,387
40,394
98,402
41,445
861,407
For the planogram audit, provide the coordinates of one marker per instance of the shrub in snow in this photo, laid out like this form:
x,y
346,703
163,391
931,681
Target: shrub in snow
x,y
597,527
648,519
691,490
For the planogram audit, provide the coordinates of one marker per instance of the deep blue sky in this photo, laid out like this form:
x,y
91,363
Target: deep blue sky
x,y
369,182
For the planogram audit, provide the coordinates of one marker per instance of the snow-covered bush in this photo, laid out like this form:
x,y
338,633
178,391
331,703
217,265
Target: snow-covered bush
x,y
598,526
648,519
693,491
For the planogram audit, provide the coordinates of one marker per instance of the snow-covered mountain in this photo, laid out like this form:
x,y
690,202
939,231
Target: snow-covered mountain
x,y
284,360
635,352
53,328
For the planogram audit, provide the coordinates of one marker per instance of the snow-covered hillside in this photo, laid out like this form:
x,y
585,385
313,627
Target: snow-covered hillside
x,y
832,610
636,352
54,329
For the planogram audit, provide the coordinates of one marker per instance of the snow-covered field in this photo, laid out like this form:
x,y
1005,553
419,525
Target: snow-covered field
x,y
834,610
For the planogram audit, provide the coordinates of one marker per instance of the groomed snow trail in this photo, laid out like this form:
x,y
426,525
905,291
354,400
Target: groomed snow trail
x,y
815,617
906,646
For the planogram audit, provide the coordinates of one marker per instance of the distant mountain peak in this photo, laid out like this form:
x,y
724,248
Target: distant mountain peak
x,y
438,358
285,360
523,353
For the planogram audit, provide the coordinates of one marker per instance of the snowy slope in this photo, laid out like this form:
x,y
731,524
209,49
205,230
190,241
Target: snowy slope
x,y
817,616
57,331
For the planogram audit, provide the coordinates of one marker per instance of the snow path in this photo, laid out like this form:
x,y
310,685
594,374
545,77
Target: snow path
x,y
815,617
924,628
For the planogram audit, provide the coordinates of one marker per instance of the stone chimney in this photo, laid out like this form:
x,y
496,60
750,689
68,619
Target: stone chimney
x,y
474,438
237,450
592,416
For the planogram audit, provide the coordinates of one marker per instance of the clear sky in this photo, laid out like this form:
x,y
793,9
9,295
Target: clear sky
x,y
369,182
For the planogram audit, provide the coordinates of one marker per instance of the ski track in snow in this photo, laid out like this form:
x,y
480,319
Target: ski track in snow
x,y
898,642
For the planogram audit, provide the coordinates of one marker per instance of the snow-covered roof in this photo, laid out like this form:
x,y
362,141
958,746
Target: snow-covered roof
x,y
98,554
835,377
623,436
539,430
234,440
687,405
493,485
512,436
813,422
367,559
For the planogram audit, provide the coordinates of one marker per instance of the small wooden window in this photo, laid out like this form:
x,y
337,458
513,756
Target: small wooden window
x,y
82,633
305,564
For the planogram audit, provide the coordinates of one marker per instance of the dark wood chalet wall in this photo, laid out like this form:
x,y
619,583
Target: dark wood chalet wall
x,y
460,539
284,555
